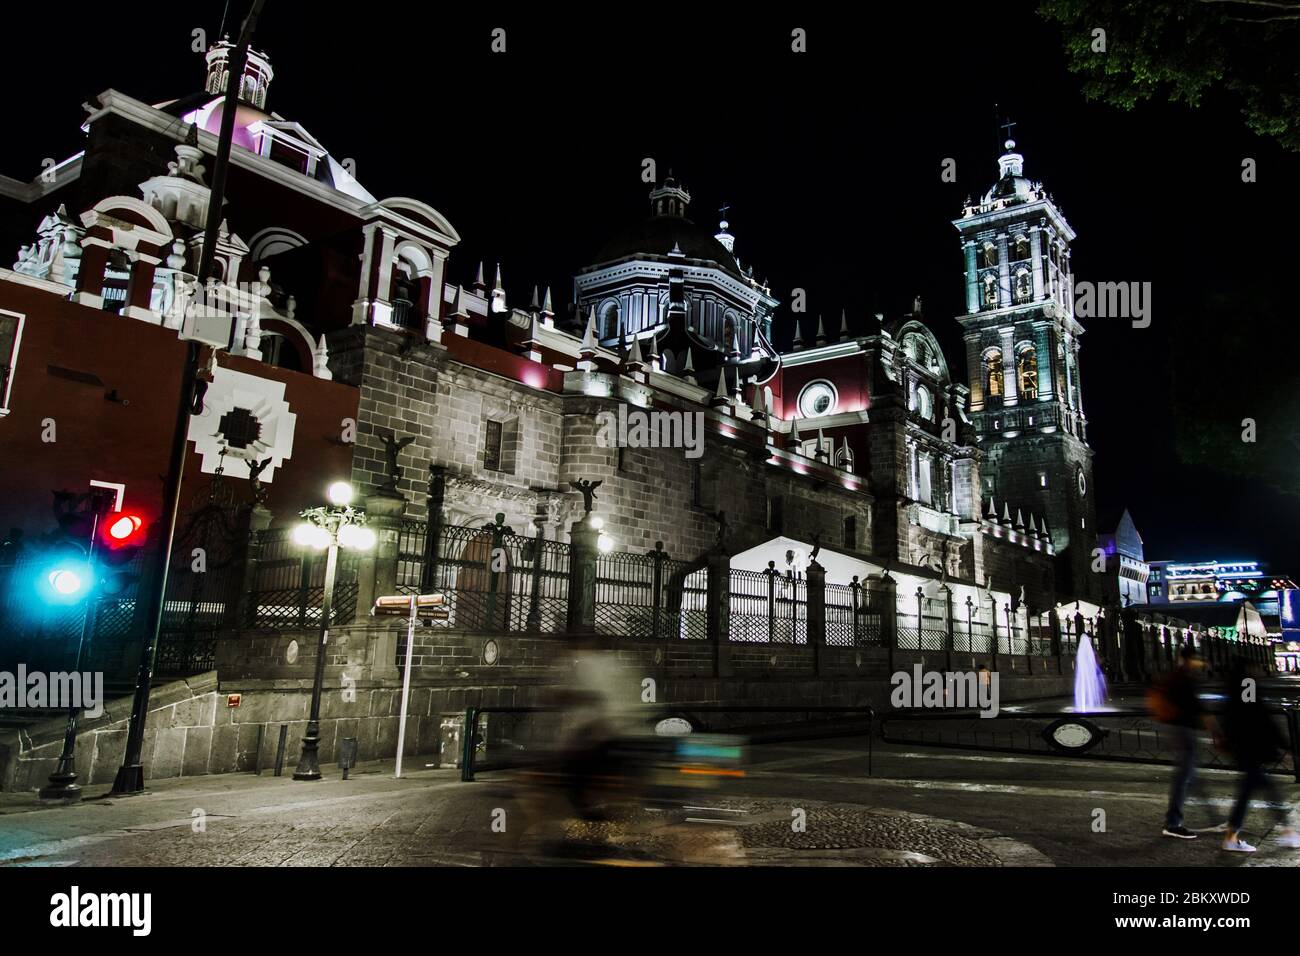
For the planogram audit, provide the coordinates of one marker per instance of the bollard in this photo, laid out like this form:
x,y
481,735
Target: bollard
x,y
257,761
347,755
467,745
1293,724
279,751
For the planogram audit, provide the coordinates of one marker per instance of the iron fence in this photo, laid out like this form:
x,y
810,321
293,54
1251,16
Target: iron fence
x,y
289,586
931,635
852,616
975,636
411,543
491,578
767,607
650,595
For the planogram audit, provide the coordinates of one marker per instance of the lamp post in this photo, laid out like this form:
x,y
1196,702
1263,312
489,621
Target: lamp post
x,y
970,635
130,776
326,528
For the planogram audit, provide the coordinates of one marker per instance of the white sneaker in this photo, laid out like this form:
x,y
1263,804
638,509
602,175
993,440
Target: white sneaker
x,y
1237,845
1289,839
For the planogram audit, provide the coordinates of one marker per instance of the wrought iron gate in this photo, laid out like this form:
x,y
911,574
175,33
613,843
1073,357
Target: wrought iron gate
x,y
204,581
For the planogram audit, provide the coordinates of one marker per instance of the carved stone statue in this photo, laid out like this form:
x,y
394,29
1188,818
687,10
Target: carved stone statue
x,y
260,490
392,448
588,489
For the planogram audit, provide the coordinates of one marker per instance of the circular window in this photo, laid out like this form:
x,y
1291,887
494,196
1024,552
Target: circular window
x,y
817,398
1082,482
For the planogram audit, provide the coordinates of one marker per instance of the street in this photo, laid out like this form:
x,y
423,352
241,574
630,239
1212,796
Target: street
x,y
808,804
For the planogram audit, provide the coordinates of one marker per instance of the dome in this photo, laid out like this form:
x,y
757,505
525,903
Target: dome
x,y
658,235
1016,188
208,119
1013,186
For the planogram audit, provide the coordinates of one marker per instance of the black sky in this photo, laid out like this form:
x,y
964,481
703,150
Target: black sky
x,y
830,162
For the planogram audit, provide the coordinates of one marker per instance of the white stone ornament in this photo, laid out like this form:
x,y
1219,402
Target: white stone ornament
x,y
261,398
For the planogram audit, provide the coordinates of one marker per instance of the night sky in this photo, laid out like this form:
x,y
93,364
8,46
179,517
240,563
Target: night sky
x,y
831,164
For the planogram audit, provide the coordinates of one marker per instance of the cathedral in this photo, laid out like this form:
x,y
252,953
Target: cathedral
x,y
350,353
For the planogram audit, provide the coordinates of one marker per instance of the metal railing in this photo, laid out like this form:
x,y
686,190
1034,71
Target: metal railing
x,y
288,588
650,595
852,619
767,607
492,579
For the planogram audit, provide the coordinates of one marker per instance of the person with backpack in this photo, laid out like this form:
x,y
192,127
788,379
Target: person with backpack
x,y
1175,701
1253,740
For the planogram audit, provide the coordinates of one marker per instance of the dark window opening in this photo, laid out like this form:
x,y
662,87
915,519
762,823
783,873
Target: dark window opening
x,y
492,447
776,514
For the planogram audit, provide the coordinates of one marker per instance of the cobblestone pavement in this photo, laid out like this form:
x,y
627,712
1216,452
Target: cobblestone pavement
x,y
918,808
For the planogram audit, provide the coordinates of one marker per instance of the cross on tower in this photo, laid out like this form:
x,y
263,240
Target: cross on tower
x,y
1007,125
722,210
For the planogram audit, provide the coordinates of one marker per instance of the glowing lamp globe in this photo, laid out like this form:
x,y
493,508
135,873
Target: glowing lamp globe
x,y
340,493
605,543
311,536
65,582
356,537
596,521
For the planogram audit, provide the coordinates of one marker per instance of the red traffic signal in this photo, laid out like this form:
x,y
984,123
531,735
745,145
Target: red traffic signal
x,y
123,529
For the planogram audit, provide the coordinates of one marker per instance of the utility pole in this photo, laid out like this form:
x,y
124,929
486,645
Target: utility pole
x,y
130,776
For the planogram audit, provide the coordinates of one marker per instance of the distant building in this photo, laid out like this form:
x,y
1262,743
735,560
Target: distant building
x,y
1175,582
1126,571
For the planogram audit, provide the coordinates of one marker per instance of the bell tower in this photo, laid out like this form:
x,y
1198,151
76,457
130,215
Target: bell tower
x,y
1022,357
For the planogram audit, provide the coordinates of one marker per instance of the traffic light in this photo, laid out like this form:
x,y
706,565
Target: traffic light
x,y
121,538
65,579
122,529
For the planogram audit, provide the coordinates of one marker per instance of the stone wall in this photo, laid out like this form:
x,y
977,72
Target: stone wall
x,y
193,730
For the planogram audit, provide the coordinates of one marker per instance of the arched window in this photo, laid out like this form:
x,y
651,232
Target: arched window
x,y
730,325
1027,372
993,373
609,320
278,351
117,280
923,403
406,296
991,290
988,255
1019,249
1024,286
919,351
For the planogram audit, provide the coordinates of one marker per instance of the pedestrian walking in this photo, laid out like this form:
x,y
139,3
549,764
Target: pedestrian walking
x,y
1253,739
1175,701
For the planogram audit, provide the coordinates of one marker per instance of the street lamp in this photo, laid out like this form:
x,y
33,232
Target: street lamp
x,y
327,528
